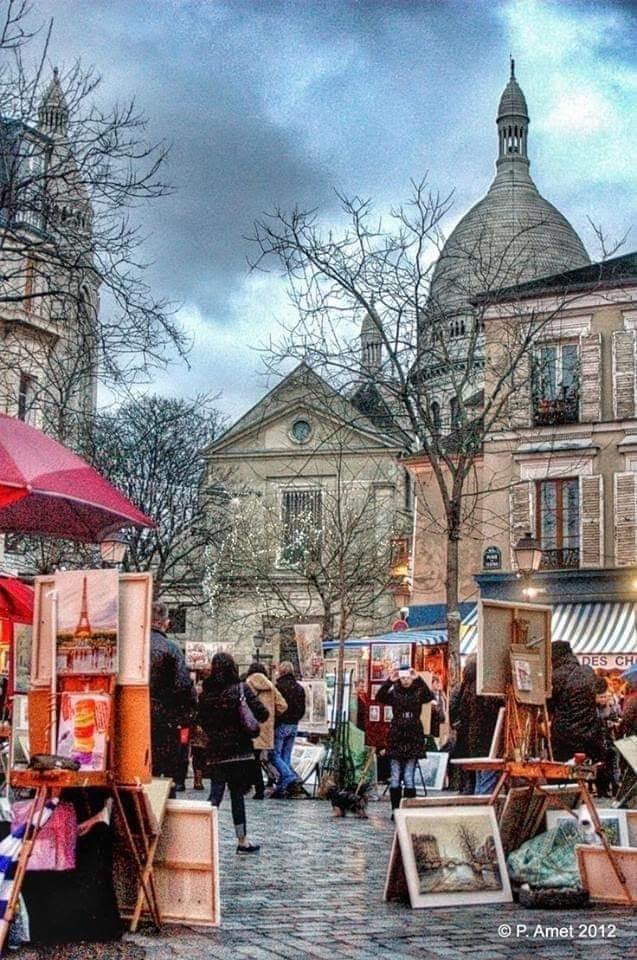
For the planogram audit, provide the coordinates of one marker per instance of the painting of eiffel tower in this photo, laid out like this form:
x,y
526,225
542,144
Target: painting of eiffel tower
x,y
83,628
88,612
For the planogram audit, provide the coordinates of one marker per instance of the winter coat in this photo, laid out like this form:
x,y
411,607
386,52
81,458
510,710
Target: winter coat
x,y
219,717
575,724
274,703
172,703
406,740
294,695
473,716
629,715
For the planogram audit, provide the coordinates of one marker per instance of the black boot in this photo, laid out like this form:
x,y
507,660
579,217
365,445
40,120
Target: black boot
x,y
395,796
409,793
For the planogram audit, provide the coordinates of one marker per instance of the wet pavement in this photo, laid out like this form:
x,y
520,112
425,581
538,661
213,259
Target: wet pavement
x,y
315,890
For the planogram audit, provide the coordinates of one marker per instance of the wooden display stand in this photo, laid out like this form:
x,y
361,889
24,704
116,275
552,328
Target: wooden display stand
x,y
128,761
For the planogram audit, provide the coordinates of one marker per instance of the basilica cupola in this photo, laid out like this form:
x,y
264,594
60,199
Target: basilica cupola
x,y
53,113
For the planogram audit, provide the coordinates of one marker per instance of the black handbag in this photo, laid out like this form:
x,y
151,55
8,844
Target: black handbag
x,y
248,720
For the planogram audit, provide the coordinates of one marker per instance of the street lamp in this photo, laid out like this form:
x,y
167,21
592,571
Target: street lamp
x,y
258,641
113,548
528,555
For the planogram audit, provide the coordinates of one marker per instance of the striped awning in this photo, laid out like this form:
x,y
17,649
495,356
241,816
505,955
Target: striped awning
x,y
596,627
426,638
588,627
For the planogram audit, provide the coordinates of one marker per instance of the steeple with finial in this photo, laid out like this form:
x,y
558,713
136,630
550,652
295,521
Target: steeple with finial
x,y
513,124
371,342
53,113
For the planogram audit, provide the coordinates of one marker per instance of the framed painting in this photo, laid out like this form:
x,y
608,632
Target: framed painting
x,y
527,673
434,770
387,657
374,714
501,625
614,823
22,646
452,856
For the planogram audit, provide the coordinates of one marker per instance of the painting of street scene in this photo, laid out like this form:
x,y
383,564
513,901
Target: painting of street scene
x,y
456,856
87,621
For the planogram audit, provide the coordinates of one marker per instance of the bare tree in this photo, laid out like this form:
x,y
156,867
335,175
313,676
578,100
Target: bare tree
x,y
425,342
150,448
72,175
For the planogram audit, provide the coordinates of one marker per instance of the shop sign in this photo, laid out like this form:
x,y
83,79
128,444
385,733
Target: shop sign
x,y
608,661
492,559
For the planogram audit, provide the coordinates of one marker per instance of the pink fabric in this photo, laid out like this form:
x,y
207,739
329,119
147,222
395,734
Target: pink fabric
x,y
54,847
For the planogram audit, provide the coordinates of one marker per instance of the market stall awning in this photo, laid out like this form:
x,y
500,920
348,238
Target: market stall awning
x,y
596,627
426,638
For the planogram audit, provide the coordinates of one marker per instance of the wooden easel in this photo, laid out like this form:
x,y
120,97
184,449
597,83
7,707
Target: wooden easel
x,y
140,838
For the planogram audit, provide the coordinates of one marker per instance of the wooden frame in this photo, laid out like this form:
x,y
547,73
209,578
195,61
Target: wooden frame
x,y
435,875
599,877
502,624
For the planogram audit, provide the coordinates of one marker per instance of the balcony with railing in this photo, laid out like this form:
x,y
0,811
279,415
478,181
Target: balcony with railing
x,y
562,558
551,412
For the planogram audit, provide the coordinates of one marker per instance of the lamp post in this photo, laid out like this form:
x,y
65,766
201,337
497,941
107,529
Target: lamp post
x,y
528,556
113,549
258,640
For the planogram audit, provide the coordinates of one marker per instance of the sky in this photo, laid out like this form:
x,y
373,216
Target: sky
x,y
271,104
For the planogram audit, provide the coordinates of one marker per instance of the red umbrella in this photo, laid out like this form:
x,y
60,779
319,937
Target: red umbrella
x,y
16,600
45,489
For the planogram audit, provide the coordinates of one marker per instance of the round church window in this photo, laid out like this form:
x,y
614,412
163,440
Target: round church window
x,y
301,431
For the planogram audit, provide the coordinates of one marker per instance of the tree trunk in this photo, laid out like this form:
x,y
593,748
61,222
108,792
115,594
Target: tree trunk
x,y
453,610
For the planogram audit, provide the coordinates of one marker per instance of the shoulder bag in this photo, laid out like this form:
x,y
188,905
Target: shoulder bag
x,y
248,720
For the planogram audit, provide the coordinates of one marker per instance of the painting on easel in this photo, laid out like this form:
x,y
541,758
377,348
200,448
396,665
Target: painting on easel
x,y
87,621
83,729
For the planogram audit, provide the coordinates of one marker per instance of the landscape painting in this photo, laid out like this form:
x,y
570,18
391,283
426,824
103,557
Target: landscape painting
x,y
434,770
614,823
452,855
87,621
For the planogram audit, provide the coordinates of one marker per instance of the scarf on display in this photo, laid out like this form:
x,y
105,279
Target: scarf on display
x,y
10,849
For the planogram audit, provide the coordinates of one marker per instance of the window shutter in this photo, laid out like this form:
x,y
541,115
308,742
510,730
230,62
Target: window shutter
x,y
623,374
625,519
591,522
591,372
520,399
521,513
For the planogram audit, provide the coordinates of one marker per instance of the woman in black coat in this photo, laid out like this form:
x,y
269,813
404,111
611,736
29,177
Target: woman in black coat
x,y
229,753
405,692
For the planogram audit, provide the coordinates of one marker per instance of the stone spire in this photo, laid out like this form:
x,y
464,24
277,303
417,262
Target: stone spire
x,y
371,346
513,124
53,113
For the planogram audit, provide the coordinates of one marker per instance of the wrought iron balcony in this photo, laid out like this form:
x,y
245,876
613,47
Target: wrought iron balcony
x,y
550,413
566,558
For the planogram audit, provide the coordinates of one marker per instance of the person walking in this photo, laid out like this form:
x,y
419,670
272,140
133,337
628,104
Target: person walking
x,y
286,726
229,748
261,685
405,692
172,698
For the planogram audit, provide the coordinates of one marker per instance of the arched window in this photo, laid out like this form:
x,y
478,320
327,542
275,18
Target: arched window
x,y
436,420
454,410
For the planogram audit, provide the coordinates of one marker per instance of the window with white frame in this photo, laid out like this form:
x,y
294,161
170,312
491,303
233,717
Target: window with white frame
x,y
301,521
556,383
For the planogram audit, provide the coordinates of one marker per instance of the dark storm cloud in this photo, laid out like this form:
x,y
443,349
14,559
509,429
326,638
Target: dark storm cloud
x,y
276,103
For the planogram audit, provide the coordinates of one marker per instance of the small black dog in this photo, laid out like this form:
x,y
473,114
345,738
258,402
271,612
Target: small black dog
x,y
344,800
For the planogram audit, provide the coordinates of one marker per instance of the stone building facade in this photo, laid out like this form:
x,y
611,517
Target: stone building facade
x,y
49,292
303,461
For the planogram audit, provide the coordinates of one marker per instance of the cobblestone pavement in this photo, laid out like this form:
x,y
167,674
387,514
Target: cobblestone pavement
x,y
315,891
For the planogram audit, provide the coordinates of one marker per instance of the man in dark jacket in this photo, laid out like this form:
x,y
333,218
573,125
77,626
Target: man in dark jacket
x,y
575,724
286,725
173,699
